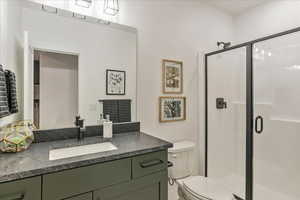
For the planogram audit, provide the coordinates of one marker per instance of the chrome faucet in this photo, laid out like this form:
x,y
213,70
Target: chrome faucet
x,y
77,118
81,129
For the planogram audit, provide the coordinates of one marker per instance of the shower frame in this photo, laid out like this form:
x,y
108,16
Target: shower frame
x,y
249,104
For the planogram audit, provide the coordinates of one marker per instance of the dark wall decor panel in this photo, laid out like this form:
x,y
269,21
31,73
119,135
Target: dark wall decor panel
x,y
119,110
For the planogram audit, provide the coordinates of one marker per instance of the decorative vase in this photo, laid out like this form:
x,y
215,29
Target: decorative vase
x,y
16,137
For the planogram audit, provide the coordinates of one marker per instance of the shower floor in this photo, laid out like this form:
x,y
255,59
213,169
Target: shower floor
x,y
236,185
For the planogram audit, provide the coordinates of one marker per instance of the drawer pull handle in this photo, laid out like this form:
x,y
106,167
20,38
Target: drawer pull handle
x,y
170,164
13,197
151,163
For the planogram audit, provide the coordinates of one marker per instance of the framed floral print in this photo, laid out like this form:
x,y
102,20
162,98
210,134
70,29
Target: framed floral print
x,y
172,77
115,82
172,109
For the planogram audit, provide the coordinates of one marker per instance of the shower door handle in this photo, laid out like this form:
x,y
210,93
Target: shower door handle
x,y
259,120
236,197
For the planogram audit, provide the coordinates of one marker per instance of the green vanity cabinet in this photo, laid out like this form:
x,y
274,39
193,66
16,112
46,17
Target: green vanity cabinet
x,y
149,180
134,178
77,181
149,163
26,189
87,196
151,187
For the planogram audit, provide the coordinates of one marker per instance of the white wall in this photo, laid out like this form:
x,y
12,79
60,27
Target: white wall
x,y
58,90
174,30
11,53
99,47
166,30
266,19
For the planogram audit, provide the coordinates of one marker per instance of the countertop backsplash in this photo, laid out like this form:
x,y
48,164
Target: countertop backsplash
x,y
91,131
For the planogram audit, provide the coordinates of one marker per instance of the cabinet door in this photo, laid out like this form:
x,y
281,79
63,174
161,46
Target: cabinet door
x,y
150,192
87,196
149,163
152,187
27,189
85,179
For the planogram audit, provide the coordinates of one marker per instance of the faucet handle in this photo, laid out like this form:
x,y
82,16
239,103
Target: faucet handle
x,y
77,118
81,123
81,129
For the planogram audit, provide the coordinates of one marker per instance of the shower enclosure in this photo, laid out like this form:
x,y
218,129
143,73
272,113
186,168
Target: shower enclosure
x,y
253,117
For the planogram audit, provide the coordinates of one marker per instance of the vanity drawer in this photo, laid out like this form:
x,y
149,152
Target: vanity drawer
x,y
27,189
77,181
149,163
87,196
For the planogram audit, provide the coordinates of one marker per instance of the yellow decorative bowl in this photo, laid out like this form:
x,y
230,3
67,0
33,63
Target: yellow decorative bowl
x,y
16,137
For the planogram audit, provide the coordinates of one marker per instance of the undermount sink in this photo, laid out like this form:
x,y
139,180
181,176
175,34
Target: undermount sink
x,y
56,154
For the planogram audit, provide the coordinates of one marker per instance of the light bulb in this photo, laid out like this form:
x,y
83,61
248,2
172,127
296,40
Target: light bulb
x,y
49,9
79,16
83,3
111,7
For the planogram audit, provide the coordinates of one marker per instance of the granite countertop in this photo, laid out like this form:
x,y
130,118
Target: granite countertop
x,y
35,161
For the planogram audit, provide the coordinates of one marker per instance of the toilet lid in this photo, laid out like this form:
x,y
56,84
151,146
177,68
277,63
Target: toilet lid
x,y
205,188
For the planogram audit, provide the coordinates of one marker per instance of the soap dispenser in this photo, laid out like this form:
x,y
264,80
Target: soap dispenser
x,y
107,128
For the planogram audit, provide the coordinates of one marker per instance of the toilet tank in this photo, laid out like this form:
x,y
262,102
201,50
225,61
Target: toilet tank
x,y
180,155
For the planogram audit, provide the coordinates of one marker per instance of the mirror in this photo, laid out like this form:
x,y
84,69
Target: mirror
x,y
76,66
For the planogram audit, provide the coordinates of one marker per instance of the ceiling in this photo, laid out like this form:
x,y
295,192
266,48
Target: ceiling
x,y
235,7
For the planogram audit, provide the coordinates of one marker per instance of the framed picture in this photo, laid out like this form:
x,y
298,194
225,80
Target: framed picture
x,y
172,109
115,82
172,77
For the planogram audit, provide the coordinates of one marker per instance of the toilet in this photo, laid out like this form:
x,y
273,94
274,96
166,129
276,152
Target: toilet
x,y
193,187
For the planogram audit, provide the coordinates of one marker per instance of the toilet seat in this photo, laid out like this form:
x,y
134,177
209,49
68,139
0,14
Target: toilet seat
x,y
202,188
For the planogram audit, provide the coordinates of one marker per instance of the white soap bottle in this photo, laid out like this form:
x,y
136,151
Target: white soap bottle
x,y
107,128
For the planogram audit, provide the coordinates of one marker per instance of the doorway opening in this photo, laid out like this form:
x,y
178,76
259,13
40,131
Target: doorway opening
x,y
55,89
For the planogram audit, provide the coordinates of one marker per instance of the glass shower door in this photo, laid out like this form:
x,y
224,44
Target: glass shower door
x,y
226,120
276,74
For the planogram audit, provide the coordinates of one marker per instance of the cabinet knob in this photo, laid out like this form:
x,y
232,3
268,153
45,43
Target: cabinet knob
x,y
151,163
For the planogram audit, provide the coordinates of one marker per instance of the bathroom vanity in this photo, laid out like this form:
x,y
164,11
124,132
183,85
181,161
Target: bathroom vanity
x,y
136,170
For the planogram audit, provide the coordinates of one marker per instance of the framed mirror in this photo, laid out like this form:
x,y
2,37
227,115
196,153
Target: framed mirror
x,y
65,69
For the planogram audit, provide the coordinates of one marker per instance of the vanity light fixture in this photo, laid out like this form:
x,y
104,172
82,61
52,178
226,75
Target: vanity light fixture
x,y
79,16
49,9
83,3
111,7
